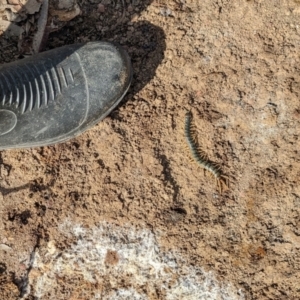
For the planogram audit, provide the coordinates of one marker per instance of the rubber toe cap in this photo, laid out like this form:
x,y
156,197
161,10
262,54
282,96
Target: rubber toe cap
x,y
58,94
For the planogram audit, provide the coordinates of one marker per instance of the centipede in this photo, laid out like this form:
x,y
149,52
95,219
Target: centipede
x,y
200,156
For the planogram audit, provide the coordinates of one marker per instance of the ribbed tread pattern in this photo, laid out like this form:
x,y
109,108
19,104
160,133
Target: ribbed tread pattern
x,y
6,97
30,87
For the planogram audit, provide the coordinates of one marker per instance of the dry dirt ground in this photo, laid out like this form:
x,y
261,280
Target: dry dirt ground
x,y
123,212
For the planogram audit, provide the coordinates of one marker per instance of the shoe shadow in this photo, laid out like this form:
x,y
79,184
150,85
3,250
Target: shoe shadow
x,y
111,21
146,48
144,42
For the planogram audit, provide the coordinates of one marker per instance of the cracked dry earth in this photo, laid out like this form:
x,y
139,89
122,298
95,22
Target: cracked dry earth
x,y
123,212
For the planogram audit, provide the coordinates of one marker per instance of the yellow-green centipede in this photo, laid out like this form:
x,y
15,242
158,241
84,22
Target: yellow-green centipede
x,y
199,155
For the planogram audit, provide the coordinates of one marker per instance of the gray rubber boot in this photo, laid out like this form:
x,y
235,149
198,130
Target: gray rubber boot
x,y
56,95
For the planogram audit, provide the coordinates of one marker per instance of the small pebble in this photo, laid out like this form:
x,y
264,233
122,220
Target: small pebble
x,y
101,8
166,12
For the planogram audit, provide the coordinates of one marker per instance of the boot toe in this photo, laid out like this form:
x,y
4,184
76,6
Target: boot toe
x,y
58,94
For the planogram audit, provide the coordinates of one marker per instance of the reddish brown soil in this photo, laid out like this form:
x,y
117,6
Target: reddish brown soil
x,y
235,65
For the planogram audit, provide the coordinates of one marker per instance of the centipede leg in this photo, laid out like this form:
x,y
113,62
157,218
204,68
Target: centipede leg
x,y
218,185
225,180
221,186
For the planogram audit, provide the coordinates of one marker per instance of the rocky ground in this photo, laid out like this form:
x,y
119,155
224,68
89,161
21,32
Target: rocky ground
x,y
123,211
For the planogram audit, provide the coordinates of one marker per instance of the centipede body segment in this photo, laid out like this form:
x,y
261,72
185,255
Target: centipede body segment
x,y
200,156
